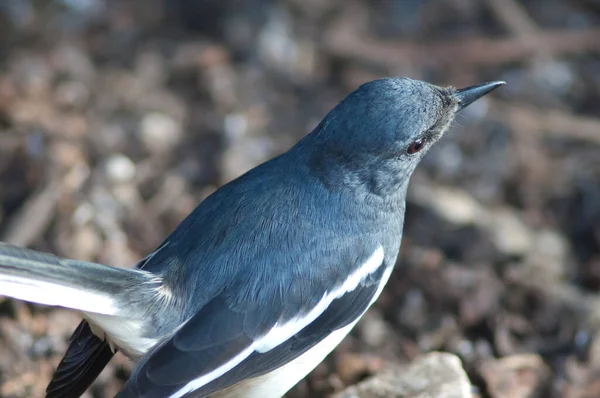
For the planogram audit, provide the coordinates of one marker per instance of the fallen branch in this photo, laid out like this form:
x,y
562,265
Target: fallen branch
x,y
552,122
346,41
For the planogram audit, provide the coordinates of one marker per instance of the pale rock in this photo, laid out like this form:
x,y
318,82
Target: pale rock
x,y
159,132
509,233
119,169
431,375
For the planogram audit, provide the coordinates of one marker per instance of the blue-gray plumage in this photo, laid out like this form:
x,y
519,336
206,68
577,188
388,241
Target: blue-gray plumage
x,y
269,272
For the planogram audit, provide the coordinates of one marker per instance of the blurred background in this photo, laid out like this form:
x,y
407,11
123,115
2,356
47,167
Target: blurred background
x,y
118,116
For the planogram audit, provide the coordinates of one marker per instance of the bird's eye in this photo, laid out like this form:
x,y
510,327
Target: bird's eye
x,y
415,146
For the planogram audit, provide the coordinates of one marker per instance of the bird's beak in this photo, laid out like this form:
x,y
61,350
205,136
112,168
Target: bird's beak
x,y
468,95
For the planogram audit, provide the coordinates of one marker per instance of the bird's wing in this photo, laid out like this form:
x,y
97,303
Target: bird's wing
x,y
238,335
85,358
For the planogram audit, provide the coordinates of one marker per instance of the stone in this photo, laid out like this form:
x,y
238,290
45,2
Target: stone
x,y
159,132
433,375
119,168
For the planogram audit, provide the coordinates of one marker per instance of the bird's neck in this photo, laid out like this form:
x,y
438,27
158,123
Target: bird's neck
x,y
380,186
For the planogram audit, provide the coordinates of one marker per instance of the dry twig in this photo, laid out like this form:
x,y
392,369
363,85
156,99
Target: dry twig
x,y
347,42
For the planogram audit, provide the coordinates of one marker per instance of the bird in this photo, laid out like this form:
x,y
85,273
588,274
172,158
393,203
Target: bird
x,y
267,275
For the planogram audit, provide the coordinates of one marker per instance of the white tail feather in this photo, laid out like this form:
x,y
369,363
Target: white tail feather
x,y
54,294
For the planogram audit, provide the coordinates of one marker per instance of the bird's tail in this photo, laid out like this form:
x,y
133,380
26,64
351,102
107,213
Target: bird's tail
x,y
89,287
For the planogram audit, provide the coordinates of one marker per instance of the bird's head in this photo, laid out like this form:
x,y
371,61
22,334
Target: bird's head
x,y
377,135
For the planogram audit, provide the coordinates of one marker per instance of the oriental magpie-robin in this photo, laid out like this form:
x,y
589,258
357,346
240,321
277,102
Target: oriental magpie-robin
x,y
268,274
